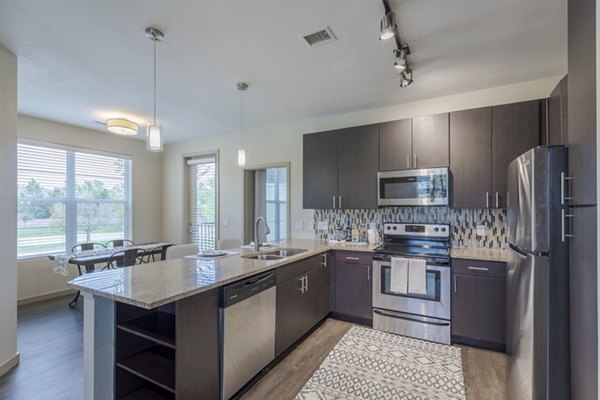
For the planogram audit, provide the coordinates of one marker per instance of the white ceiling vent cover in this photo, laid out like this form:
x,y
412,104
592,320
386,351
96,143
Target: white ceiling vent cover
x,y
319,37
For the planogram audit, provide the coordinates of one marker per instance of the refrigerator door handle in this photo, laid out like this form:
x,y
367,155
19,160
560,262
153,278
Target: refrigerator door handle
x,y
563,229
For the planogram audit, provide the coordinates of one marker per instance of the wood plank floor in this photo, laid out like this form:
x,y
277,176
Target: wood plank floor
x,y
51,336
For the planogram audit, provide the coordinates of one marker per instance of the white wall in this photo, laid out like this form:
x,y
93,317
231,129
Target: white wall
x,y
8,210
284,143
35,277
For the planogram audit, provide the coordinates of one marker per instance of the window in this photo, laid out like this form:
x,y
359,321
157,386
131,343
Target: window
x,y
203,201
68,196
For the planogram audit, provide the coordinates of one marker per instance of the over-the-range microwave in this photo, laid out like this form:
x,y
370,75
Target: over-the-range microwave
x,y
415,187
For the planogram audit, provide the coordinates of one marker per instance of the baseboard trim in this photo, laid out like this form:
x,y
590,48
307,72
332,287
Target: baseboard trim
x,y
10,364
45,296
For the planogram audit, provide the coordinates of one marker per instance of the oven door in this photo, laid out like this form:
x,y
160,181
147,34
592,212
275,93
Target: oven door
x,y
436,303
419,187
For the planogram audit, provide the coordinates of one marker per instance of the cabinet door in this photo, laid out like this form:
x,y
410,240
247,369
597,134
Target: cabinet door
x,y
313,298
470,157
584,291
320,170
515,129
357,167
478,308
582,100
290,314
326,286
353,290
395,145
431,147
555,116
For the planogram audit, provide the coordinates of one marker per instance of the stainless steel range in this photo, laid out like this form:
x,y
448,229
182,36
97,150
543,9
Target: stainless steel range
x,y
424,314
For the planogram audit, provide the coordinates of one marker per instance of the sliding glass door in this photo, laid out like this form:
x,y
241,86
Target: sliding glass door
x,y
203,201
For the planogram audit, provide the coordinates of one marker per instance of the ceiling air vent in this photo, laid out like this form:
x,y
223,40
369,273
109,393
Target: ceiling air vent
x,y
320,37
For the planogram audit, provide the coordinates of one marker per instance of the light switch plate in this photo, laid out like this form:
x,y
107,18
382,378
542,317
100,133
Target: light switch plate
x,y
480,230
298,225
322,226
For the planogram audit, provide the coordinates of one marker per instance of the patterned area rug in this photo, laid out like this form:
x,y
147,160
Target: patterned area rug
x,y
369,364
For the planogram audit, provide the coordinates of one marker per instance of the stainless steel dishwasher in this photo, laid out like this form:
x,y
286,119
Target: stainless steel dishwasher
x,y
248,329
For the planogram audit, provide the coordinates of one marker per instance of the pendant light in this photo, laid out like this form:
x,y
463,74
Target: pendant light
x,y
241,154
154,140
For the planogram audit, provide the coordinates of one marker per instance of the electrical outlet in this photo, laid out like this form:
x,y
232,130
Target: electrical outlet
x,y
298,225
480,230
322,226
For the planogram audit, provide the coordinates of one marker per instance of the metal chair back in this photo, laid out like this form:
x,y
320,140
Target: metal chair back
x,y
119,243
86,246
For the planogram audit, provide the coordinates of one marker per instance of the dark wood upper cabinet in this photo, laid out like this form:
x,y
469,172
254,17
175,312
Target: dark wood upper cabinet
x,y
320,169
515,129
557,115
395,145
470,157
430,137
357,167
582,101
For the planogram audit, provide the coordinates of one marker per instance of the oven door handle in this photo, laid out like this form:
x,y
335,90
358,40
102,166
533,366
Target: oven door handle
x,y
410,319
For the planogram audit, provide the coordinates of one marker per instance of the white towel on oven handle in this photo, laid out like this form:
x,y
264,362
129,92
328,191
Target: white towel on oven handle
x,y
399,275
417,276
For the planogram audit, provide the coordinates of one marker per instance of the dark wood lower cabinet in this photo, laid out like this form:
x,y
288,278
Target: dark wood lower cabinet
x,y
327,279
157,351
479,308
353,291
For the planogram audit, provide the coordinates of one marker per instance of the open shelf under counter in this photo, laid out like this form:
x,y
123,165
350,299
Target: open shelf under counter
x,y
153,365
157,326
145,394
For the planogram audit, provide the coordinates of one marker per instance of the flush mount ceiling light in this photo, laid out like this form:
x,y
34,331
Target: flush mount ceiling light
x,y
387,30
241,155
154,139
387,26
122,126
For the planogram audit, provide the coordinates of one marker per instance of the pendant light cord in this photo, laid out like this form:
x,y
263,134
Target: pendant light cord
x,y
242,117
154,81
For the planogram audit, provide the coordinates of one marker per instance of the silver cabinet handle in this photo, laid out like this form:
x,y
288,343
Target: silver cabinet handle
x,y
487,199
352,258
563,196
324,263
339,201
415,157
478,268
563,217
455,290
333,201
306,283
301,284
408,161
497,200
369,274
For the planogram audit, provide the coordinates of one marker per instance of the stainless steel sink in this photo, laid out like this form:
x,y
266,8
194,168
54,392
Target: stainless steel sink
x,y
276,254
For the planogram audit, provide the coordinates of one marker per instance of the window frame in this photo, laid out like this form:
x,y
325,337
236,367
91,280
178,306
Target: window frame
x,y
70,200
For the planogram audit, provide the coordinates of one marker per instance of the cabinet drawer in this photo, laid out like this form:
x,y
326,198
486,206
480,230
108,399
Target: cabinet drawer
x,y
490,269
354,257
299,267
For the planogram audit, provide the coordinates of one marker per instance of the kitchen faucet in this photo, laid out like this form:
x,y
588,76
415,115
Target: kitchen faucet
x,y
267,231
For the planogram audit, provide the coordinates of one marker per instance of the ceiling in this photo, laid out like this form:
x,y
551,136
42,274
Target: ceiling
x,y
85,61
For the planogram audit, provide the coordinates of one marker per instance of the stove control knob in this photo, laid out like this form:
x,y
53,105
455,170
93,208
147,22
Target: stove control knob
x,y
395,227
443,229
388,228
436,229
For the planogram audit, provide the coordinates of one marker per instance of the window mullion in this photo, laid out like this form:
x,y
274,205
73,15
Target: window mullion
x,y
71,204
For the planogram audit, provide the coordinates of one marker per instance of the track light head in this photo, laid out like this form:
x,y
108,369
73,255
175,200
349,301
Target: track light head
x,y
387,26
400,62
406,78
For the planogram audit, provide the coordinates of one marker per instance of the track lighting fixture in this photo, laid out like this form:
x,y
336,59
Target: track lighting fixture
x,y
406,78
387,30
387,26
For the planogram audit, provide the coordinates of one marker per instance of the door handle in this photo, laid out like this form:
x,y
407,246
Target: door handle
x,y
477,269
487,199
407,318
333,201
563,217
369,274
455,290
339,201
352,258
324,263
306,283
497,200
563,196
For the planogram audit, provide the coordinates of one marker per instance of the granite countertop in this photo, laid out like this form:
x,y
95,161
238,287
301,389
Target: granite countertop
x,y
474,253
155,284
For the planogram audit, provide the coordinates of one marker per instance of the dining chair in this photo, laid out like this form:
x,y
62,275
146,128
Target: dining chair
x,y
230,243
152,253
119,243
181,250
86,246
88,268
125,258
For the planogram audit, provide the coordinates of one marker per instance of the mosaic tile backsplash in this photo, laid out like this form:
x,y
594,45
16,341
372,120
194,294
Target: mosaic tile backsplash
x,y
463,222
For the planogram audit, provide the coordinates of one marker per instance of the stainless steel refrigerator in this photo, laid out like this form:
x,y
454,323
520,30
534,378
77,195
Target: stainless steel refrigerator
x,y
537,339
